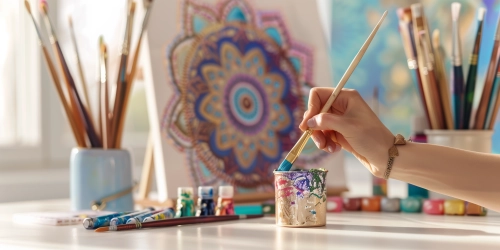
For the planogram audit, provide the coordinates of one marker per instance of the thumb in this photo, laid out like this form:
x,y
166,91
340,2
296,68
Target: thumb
x,y
328,121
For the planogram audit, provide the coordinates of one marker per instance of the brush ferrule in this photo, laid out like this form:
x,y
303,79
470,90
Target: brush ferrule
x,y
412,64
299,146
456,48
113,228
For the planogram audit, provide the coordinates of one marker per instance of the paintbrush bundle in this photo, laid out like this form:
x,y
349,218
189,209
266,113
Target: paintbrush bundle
x,y
105,128
426,61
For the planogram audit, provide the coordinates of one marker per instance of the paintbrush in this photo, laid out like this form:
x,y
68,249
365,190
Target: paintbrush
x,y
479,121
79,64
297,149
442,80
55,77
406,31
131,73
121,85
178,222
428,70
430,91
81,114
458,75
494,101
104,108
472,74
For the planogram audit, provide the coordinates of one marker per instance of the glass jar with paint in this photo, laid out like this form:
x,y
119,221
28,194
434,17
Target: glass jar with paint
x,y
206,204
185,202
225,204
300,198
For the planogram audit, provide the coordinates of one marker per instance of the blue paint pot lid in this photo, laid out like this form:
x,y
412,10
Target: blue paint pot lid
x,y
206,192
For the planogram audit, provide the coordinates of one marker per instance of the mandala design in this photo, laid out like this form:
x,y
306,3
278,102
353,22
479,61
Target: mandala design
x,y
240,82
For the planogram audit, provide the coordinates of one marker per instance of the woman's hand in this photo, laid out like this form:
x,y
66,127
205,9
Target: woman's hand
x,y
351,124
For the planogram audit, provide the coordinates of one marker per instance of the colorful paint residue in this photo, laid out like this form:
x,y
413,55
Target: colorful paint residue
x,y
300,198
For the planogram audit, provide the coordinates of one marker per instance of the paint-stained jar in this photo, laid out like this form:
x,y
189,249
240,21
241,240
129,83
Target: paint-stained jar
x,y
300,198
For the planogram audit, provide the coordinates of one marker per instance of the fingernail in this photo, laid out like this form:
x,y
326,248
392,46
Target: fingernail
x,y
331,149
312,123
337,147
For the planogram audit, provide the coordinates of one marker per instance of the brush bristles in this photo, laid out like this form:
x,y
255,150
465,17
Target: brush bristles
x,y
28,6
455,11
416,10
480,14
102,229
43,7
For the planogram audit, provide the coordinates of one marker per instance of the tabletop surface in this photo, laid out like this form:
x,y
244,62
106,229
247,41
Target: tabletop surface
x,y
346,230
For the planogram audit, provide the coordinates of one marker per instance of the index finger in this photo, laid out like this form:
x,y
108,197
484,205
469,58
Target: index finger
x,y
317,98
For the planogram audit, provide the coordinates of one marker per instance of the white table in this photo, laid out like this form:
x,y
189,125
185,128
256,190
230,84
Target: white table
x,y
353,230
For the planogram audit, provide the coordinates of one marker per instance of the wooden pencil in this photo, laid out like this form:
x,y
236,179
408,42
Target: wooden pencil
x,y
55,78
472,74
444,91
81,114
131,73
121,85
406,31
430,91
480,118
79,64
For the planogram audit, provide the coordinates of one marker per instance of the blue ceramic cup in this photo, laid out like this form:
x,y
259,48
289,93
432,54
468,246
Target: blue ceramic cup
x,y
98,173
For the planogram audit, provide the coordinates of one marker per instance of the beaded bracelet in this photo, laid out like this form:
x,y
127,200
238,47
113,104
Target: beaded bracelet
x,y
393,152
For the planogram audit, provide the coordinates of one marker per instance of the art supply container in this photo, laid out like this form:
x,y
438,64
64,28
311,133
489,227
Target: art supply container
x,y
371,204
352,204
97,174
185,202
300,198
473,209
390,204
225,204
434,206
411,205
206,204
454,207
472,140
334,204
269,208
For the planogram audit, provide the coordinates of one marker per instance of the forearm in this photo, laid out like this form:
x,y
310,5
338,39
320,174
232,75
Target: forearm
x,y
466,175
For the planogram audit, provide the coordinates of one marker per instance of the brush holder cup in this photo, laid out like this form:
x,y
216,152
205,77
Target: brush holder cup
x,y
300,198
99,173
472,140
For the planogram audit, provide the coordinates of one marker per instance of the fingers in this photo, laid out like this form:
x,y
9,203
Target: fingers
x,y
327,121
326,140
319,96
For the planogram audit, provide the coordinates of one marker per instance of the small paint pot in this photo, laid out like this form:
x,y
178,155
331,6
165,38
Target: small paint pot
x,y
434,206
390,204
454,207
334,204
473,209
269,208
352,204
370,204
411,205
300,198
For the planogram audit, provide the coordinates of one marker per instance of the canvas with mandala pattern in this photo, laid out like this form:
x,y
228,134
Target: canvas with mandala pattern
x,y
238,74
